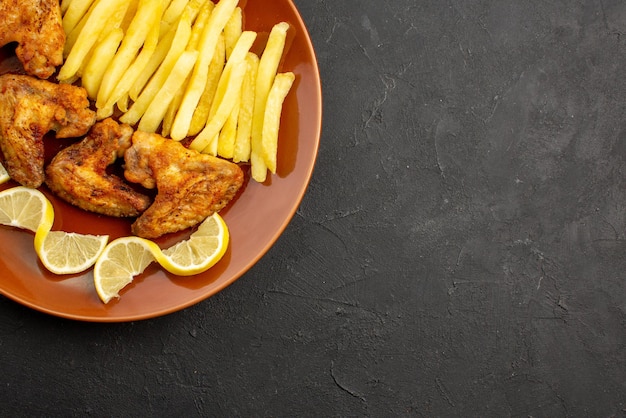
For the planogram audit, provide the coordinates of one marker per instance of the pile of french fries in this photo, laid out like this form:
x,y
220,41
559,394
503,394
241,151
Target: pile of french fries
x,y
184,67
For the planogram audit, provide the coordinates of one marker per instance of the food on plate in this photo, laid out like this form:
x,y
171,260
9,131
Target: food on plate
x,y
190,186
122,260
78,173
271,119
60,252
127,257
268,66
188,69
36,26
185,70
29,108
25,208
68,252
197,81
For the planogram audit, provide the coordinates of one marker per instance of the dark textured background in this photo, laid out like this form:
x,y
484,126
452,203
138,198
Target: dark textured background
x,y
461,250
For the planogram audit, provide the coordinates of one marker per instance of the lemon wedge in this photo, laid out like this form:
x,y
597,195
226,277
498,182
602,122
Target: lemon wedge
x,y
127,257
201,251
122,260
4,175
68,252
26,208
60,252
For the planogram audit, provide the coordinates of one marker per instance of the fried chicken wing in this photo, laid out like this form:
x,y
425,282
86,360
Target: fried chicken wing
x,y
190,186
78,174
37,27
30,108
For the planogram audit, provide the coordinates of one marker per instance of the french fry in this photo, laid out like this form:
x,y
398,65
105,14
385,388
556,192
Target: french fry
x,y
268,66
203,109
173,12
163,47
226,138
271,121
133,40
206,141
65,4
233,30
154,114
103,53
199,24
131,11
121,90
96,22
75,12
181,38
166,44
207,105
244,123
220,15
170,114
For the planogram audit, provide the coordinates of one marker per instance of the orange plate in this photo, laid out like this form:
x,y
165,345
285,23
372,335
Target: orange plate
x,y
255,218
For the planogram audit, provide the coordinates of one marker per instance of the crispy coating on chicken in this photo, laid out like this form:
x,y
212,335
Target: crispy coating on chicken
x,y
37,27
78,173
190,186
30,108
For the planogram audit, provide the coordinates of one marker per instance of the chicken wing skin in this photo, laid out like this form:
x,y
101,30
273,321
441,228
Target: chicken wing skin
x,y
78,174
190,186
37,27
30,108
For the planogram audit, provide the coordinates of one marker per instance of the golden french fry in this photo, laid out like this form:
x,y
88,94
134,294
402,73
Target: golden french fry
x,y
103,53
75,12
131,11
181,38
199,24
98,19
208,103
170,114
268,66
271,121
174,10
126,81
122,103
163,47
233,30
203,109
154,114
244,123
220,15
65,4
226,138
133,40
227,100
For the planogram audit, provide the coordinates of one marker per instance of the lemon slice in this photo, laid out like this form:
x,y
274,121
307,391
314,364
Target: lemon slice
x,y
127,257
68,252
122,260
4,176
60,252
201,251
26,208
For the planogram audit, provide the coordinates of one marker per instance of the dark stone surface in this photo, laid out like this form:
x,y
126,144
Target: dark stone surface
x,y
461,250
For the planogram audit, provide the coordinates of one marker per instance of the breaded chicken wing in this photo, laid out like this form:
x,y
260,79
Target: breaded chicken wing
x,y
190,186
30,108
37,27
78,174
